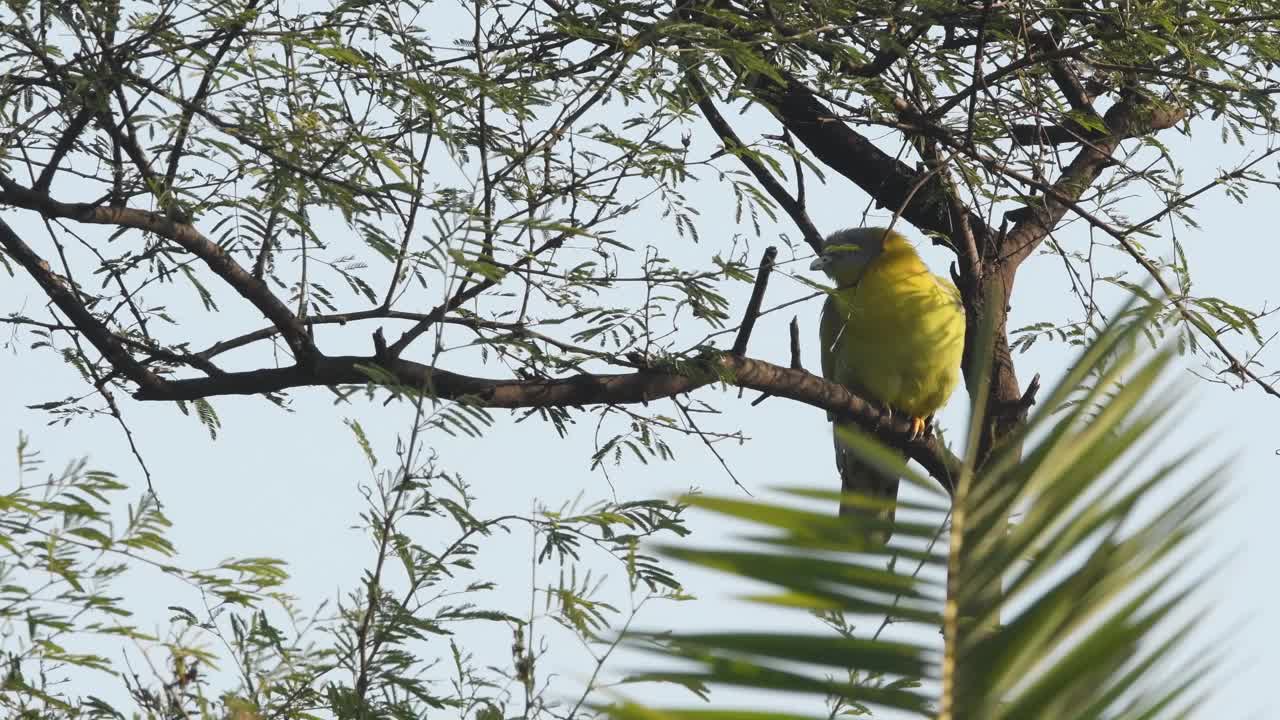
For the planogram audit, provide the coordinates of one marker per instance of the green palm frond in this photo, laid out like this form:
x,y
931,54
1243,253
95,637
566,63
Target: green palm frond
x,y
1065,595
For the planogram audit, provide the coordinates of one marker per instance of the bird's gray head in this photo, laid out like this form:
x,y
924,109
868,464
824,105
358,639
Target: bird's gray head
x,y
846,253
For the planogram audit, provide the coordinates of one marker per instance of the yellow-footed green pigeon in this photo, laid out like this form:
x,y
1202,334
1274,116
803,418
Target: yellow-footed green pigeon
x,y
892,332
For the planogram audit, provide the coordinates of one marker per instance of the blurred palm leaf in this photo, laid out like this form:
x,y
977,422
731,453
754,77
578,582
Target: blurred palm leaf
x,y
1086,615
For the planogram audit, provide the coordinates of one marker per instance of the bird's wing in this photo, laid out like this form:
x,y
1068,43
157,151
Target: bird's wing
x,y
828,331
855,475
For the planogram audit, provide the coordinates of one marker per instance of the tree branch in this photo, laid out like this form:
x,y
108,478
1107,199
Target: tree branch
x,y
733,145
836,145
70,134
1066,133
1128,118
753,305
252,289
60,293
587,389
178,146
456,301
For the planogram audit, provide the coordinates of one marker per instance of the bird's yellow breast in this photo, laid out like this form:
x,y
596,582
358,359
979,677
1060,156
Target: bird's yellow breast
x,y
898,333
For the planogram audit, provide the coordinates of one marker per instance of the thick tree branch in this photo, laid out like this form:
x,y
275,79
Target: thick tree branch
x,y
1065,77
184,234
883,177
1122,237
1128,118
1067,133
589,389
60,293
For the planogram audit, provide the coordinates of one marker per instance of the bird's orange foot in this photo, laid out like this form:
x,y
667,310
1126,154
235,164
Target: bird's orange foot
x,y
919,426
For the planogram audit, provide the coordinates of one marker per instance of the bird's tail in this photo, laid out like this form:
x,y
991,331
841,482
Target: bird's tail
x,y
858,476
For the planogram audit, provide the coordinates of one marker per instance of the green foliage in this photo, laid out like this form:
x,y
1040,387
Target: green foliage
x,y
519,179
1095,591
368,171
64,546
248,651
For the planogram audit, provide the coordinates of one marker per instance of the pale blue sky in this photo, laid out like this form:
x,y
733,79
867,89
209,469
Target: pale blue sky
x,y
285,484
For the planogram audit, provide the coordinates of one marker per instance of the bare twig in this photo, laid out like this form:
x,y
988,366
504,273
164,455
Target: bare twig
x,y
795,344
757,297
688,417
1029,397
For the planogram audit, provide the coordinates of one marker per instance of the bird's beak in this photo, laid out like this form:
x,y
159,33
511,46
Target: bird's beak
x,y
819,263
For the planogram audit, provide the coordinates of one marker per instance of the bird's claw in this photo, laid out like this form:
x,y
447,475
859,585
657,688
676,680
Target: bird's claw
x,y
919,427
